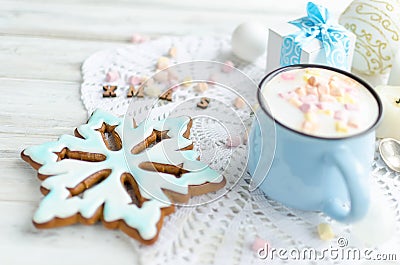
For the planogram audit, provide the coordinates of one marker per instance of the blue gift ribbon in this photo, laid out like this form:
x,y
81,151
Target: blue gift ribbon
x,y
317,25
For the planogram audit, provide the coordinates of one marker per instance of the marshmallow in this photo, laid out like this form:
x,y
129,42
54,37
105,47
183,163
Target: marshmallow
x,y
353,123
172,52
162,63
351,106
340,115
134,80
325,231
348,99
112,76
341,127
334,89
239,103
288,76
201,87
295,102
311,117
137,38
259,243
328,112
312,81
306,107
301,91
228,67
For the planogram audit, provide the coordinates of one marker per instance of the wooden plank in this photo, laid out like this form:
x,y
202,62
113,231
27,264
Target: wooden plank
x,y
21,243
32,112
32,107
107,20
45,58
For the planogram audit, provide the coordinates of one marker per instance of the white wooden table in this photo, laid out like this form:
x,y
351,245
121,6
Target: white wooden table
x,y
42,45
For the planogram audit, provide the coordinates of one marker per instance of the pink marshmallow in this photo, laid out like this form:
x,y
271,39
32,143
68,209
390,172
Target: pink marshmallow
x,y
112,76
138,38
228,67
353,123
288,76
260,243
349,90
351,106
305,107
233,141
239,103
134,80
340,115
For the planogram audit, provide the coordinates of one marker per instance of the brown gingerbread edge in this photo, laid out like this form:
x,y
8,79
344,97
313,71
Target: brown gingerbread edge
x,y
175,197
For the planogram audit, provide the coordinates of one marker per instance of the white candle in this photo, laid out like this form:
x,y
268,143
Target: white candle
x,y
390,96
390,125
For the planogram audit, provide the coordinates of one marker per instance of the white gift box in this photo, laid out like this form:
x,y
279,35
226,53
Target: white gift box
x,y
312,52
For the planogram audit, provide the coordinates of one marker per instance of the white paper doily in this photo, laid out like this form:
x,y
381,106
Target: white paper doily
x,y
223,231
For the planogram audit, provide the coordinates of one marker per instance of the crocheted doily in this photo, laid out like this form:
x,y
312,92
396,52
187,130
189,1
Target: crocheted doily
x,y
223,230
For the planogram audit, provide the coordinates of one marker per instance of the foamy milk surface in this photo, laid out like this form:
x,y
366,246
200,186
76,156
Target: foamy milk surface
x,y
320,102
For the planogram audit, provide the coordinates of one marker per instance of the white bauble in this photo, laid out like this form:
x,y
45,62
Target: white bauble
x,y
377,27
249,41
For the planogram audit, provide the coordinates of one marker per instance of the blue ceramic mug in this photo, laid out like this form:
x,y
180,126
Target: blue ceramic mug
x,y
309,172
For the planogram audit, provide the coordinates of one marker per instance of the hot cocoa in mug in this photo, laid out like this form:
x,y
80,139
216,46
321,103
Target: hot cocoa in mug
x,y
324,121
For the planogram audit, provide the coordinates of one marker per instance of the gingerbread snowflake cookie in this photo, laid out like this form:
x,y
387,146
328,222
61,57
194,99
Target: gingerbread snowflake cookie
x,y
86,178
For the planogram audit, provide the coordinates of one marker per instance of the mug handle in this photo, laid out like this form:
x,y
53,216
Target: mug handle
x,y
353,174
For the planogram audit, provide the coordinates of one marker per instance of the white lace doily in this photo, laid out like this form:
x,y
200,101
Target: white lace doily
x,y
223,231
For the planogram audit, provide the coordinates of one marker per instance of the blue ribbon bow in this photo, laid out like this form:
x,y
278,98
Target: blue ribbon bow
x,y
317,25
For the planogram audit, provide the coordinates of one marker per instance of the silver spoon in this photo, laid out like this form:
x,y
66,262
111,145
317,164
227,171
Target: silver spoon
x,y
390,152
